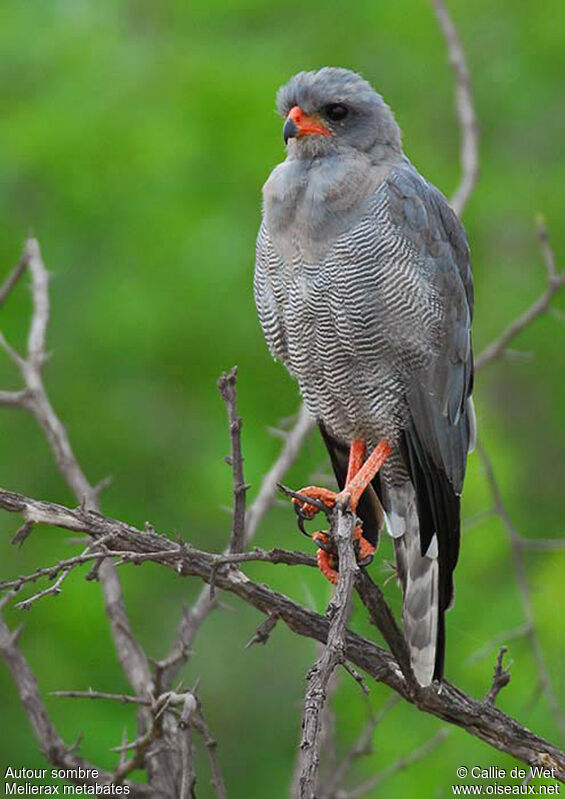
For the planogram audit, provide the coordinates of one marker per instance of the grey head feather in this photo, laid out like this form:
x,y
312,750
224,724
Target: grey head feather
x,y
324,184
369,125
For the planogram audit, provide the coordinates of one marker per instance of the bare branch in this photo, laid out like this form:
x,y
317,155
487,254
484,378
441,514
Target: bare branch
x,y
502,638
515,540
188,778
211,744
400,765
264,631
36,349
193,618
333,654
90,694
361,747
131,655
555,282
13,398
450,704
469,154
227,386
500,679
13,278
50,742
267,493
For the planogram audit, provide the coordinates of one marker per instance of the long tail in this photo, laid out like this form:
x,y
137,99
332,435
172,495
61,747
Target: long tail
x,y
418,576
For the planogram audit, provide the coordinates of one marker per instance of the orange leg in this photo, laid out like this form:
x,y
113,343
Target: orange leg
x,y
359,475
355,487
356,458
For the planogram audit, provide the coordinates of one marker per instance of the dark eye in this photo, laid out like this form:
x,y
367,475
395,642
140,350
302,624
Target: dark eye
x,y
336,112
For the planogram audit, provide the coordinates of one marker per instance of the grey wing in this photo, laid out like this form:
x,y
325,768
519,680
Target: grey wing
x,y
440,429
269,294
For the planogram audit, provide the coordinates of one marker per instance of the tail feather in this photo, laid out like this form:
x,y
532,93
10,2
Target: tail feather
x,y
418,575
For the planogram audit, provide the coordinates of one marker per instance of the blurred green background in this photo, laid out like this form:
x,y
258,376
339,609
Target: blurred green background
x,y
135,139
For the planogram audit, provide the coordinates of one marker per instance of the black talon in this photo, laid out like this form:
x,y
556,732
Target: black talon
x,y
325,545
356,548
301,518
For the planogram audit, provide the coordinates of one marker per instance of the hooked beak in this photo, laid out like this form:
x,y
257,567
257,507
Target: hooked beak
x,y
299,124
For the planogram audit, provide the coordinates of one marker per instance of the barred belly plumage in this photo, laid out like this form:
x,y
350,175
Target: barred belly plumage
x,y
351,326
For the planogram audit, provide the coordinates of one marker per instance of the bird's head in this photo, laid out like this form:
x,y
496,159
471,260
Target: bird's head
x,y
335,109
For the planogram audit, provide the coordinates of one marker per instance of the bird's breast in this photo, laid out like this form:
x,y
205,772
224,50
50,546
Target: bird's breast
x,y
309,204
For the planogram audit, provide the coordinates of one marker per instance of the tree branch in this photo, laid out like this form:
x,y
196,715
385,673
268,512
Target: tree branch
x,y
332,655
193,617
450,704
51,744
35,399
519,565
469,154
555,282
227,386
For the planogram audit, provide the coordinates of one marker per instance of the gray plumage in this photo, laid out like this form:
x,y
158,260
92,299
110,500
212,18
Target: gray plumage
x,y
363,288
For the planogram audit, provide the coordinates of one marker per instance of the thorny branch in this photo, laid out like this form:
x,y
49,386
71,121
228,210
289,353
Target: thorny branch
x,y
122,544
332,655
193,617
500,679
34,399
450,704
52,745
227,386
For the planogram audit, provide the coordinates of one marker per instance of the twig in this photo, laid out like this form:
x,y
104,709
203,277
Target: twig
x,y
450,704
555,282
519,565
333,654
263,632
13,278
227,386
13,398
125,699
400,765
188,775
50,742
500,679
357,677
267,493
274,556
469,154
193,617
211,744
501,638
362,746
130,653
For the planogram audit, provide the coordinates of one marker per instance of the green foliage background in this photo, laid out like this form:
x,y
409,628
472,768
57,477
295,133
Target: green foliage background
x,y
135,139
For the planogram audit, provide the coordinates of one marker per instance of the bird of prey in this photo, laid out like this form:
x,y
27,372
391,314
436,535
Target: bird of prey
x,y
364,291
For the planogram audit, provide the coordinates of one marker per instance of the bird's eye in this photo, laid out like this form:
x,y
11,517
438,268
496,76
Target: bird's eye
x,y
336,112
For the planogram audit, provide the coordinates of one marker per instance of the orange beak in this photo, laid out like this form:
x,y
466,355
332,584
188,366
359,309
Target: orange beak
x,y
299,124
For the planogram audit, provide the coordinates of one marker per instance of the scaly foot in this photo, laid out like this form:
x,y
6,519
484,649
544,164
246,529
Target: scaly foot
x,y
327,556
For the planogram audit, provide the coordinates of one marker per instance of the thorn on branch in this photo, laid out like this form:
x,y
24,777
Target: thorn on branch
x,y
357,677
22,534
501,678
264,631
